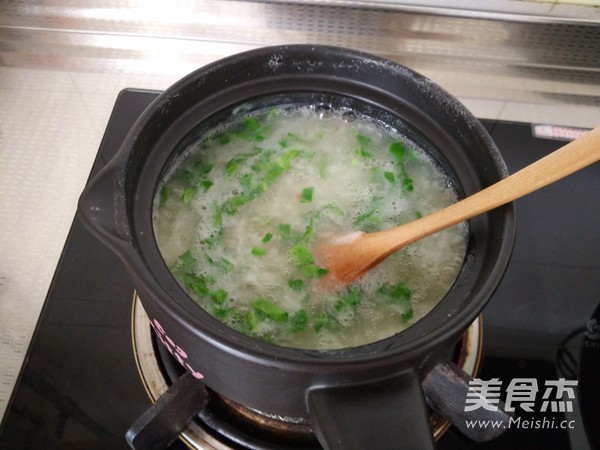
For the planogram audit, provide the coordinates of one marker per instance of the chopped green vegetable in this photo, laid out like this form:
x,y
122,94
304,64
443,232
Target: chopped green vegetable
x,y
284,231
185,262
307,195
232,204
389,176
219,296
298,321
246,180
259,251
368,220
362,153
399,294
197,283
225,264
234,163
222,139
165,194
308,231
320,321
267,237
223,313
313,271
284,162
396,292
335,209
397,149
206,184
251,123
296,284
251,129
251,319
188,194
271,310
300,255
201,168
352,297
363,140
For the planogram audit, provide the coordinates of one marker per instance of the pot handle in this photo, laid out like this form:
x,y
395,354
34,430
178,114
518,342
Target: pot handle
x,y
391,414
162,423
446,389
102,206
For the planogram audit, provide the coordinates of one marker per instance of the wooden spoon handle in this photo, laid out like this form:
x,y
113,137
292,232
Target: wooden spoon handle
x,y
566,160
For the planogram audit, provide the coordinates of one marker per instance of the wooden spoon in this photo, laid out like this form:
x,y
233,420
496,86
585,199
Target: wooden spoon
x,y
350,256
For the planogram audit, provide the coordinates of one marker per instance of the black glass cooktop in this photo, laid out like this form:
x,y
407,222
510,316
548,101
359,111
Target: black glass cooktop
x,y
80,387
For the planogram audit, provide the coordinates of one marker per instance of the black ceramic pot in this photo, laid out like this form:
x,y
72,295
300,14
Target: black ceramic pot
x,y
364,397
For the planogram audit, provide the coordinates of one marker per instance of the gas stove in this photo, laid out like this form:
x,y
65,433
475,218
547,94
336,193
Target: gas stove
x,y
538,348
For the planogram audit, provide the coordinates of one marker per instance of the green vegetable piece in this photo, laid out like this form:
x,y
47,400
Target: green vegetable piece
x,y
362,139
222,139
272,173
259,251
408,313
232,204
300,255
201,168
335,209
308,231
267,237
219,296
396,292
188,194
271,310
165,193
206,184
397,149
352,297
401,294
313,271
218,216
299,321
284,162
234,163
223,313
251,320
296,284
293,153
251,123
284,231
186,261
196,283
246,180
307,195
320,321
225,264
368,216
389,176
252,129
362,153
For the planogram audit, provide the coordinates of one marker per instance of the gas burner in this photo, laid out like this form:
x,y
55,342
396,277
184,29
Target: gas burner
x,y
226,425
